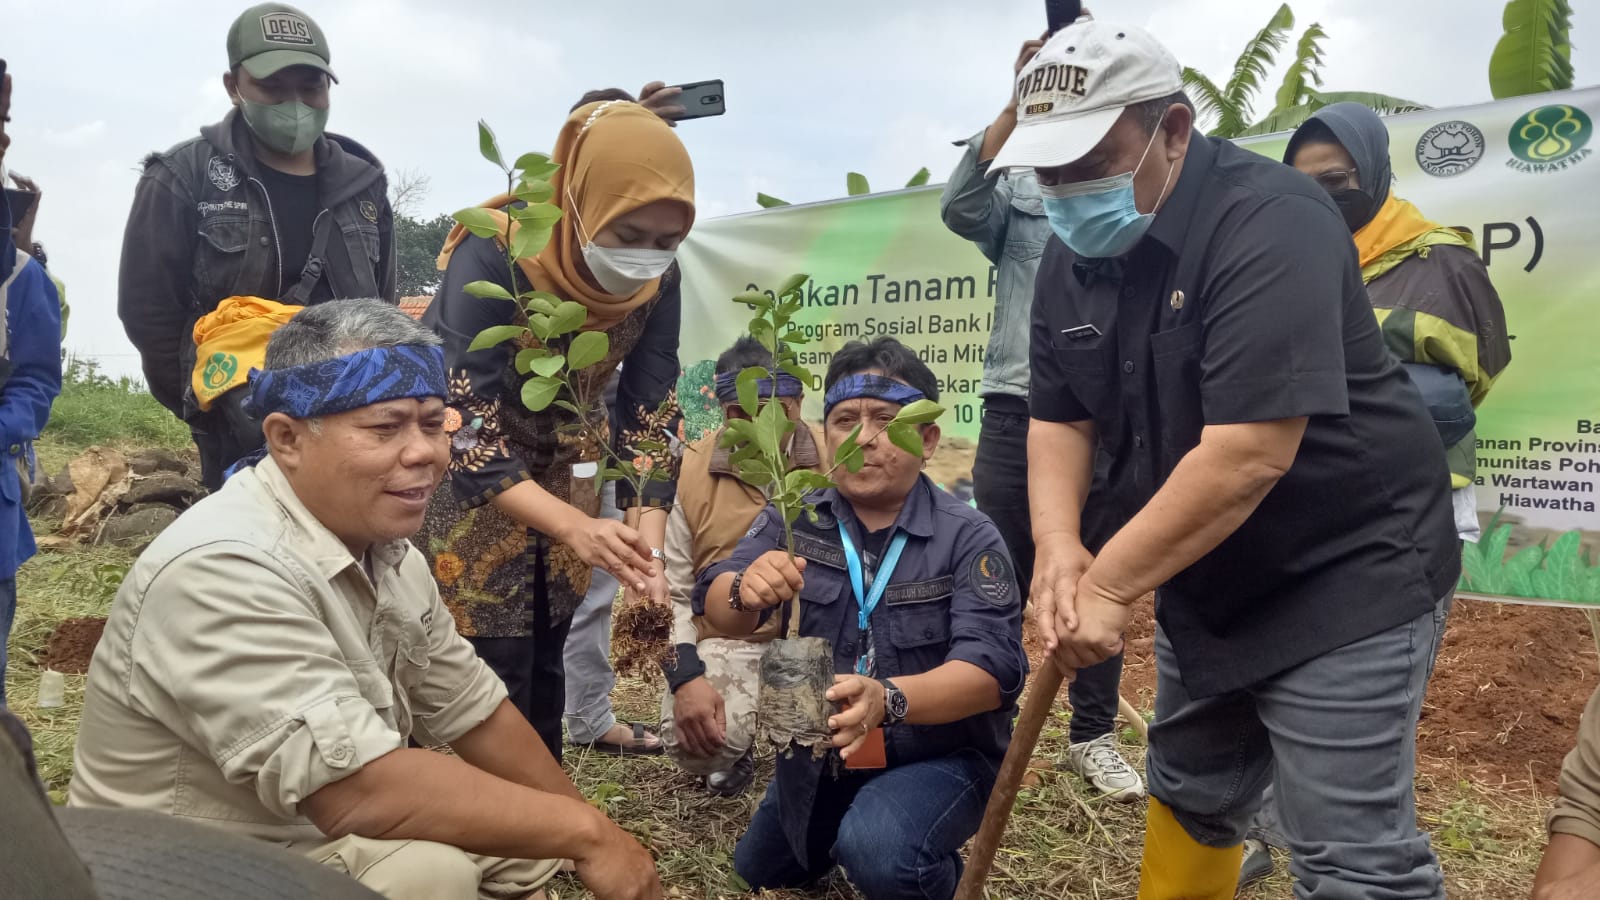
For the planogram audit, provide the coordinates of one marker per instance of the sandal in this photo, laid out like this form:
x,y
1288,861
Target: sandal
x,y
639,746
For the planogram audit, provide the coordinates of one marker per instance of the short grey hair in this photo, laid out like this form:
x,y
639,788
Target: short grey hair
x,y
340,327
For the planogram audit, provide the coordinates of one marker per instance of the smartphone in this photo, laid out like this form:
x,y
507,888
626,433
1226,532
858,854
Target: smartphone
x,y
1061,13
701,99
20,202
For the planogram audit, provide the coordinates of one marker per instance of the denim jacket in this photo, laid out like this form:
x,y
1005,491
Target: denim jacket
x,y
1004,216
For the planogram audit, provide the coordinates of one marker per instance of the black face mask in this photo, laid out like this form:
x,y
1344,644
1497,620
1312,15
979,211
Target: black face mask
x,y
1358,208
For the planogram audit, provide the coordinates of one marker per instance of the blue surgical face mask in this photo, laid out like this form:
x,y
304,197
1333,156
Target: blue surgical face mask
x,y
1100,219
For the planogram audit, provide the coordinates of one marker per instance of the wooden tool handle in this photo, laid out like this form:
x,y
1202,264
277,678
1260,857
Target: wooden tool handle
x,y
1041,698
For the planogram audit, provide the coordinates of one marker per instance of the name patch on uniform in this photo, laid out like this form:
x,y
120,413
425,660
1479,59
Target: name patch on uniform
x,y
991,577
812,547
920,591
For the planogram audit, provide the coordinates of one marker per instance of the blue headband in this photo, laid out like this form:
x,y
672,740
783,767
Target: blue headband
x,y
348,382
783,385
341,384
875,387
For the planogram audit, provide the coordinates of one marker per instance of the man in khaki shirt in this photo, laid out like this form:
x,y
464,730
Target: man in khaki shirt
x,y
1571,866
269,656
708,714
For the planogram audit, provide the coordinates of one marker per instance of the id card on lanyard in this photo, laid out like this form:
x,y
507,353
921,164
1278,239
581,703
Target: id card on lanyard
x,y
867,601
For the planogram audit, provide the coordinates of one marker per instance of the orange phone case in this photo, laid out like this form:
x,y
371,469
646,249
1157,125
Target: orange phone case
x,y
871,754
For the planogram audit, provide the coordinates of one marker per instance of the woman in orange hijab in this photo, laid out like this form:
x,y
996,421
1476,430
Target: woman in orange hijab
x,y
514,536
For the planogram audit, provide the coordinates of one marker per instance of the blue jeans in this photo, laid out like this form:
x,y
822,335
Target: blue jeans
x,y
1000,486
8,612
897,834
588,651
1339,734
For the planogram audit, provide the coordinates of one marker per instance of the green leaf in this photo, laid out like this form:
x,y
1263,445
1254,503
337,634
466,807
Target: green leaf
x,y
766,201
1305,73
528,241
539,323
745,451
740,429
535,166
906,437
587,349
546,366
487,290
754,300
534,192
542,302
804,481
539,393
749,390
610,474
569,407
772,426
567,318
494,335
1535,53
754,472
761,330
919,179
920,412
798,371
855,184
650,446
539,215
479,221
794,283
488,146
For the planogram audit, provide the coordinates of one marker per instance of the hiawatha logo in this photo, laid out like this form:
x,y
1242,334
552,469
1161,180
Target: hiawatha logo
x,y
1550,139
286,28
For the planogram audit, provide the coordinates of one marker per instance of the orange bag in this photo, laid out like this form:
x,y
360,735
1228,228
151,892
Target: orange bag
x,y
230,341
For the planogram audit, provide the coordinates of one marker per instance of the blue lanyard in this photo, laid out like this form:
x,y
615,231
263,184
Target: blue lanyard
x,y
867,602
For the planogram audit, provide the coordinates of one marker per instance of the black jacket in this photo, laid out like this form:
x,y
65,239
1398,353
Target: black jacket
x,y
202,230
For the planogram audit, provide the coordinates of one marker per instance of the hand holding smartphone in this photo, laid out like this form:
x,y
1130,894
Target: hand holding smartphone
x,y
700,99
1061,13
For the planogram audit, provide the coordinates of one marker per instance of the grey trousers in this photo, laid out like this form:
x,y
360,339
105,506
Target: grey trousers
x,y
588,651
1339,734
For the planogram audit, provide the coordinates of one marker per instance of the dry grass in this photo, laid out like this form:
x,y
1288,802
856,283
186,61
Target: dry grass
x,y
1063,842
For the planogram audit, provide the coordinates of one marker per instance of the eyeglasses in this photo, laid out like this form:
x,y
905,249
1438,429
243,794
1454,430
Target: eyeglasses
x,y
1337,180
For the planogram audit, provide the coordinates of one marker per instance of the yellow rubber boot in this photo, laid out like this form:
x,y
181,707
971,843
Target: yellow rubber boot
x,y
1176,867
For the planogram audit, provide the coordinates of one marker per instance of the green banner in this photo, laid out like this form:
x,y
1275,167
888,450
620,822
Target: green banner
x,y
1519,174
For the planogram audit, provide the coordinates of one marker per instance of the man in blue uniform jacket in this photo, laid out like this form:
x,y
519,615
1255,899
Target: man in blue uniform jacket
x,y
916,594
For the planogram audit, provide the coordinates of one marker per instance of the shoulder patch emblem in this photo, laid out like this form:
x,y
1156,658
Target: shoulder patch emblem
x,y
222,173
757,525
991,576
369,211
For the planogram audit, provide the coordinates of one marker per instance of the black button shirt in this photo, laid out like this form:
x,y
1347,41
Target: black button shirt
x,y
1244,303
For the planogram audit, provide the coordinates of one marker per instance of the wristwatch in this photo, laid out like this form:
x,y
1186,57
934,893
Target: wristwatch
x,y
734,603
655,553
894,704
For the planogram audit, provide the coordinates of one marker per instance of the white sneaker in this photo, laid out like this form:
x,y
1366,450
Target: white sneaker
x,y
1104,768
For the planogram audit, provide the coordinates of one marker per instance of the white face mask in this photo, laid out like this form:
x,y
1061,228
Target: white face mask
x,y
621,271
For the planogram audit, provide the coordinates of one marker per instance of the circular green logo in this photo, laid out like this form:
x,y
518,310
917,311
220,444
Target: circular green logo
x,y
220,369
1550,133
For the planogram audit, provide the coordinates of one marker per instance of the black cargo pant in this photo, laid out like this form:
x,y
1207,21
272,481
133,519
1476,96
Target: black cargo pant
x,y
1000,486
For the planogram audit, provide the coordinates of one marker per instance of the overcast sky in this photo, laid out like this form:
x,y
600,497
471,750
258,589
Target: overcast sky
x,y
813,89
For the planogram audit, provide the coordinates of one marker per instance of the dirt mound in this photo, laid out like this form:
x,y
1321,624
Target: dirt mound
x,y
1508,690
72,645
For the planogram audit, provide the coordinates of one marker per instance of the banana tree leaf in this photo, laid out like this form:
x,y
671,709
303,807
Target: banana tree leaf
x,y
1535,53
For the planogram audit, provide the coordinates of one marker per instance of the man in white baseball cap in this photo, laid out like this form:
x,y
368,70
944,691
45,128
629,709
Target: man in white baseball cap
x,y
1200,315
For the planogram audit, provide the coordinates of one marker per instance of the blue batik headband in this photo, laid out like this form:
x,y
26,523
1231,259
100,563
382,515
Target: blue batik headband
x,y
782,385
341,384
872,387
348,382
